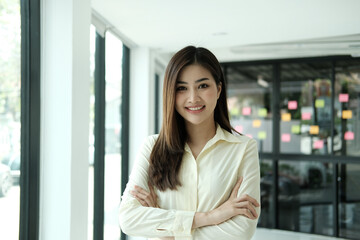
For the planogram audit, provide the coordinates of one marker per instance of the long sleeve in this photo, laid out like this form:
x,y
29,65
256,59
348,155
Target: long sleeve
x,y
239,227
150,222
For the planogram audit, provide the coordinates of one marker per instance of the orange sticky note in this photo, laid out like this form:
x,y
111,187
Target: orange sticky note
x,y
256,123
314,129
346,114
286,117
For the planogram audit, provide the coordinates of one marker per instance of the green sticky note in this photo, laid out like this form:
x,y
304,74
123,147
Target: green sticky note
x,y
319,103
234,111
262,112
262,135
295,129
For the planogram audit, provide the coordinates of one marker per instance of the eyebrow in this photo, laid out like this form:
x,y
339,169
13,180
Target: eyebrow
x,y
197,81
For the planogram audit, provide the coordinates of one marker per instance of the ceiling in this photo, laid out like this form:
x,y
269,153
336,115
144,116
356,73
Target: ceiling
x,y
237,29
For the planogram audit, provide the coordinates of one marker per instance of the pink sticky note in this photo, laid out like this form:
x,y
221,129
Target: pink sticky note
x,y
246,111
306,116
318,144
249,135
239,128
285,137
349,135
292,105
343,97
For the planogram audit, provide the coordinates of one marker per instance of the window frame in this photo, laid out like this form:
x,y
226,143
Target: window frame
x,y
30,120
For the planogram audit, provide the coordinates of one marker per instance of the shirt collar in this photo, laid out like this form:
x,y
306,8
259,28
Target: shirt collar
x,y
220,135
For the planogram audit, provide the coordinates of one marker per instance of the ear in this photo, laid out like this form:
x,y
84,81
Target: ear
x,y
219,86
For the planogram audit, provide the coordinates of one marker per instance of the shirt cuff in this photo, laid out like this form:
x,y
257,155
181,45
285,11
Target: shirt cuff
x,y
183,223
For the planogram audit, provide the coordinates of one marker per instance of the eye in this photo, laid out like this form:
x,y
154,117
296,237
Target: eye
x,y
204,85
180,88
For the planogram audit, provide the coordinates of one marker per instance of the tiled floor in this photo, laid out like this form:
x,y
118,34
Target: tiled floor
x,y
271,234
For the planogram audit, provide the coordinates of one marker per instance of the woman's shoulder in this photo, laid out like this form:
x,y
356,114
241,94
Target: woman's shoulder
x,y
150,140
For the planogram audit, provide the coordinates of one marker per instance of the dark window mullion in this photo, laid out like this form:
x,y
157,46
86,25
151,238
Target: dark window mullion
x,y
99,135
335,164
30,120
125,123
276,138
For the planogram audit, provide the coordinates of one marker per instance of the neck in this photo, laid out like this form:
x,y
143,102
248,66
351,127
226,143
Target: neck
x,y
200,134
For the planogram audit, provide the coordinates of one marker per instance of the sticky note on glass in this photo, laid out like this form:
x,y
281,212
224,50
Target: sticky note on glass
x,y
249,135
285,137
318,144
343,97
306,116
319,103
346,114
262,135
314,129
292,105
295,129
239,128
349,135
246,111
256,123
286,117
262,112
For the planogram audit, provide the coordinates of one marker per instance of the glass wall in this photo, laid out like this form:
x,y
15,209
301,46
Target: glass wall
x,y
305,105
309,144
249,102
267,194
347,108
10,77
349,200
305,196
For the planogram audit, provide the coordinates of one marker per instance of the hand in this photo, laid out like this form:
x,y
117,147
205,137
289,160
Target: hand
x,y
145,198
243,205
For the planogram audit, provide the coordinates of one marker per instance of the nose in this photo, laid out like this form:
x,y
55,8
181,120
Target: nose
x,y
193,96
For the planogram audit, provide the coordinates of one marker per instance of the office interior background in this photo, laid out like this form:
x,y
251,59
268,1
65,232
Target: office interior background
x,y
80,88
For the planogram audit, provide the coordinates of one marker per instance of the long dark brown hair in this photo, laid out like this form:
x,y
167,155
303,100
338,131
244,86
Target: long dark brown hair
x,y
167,153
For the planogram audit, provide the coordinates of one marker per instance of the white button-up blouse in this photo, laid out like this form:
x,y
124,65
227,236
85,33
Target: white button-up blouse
x,y
207,182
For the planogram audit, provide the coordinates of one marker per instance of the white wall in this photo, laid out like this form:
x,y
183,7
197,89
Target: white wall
x,y
64,119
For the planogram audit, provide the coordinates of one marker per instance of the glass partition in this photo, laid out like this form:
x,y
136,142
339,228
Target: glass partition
x,y
305,108
249,102
305,196
349,200
347,108
267,194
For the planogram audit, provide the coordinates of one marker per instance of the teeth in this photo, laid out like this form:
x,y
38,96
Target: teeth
x,y
195,108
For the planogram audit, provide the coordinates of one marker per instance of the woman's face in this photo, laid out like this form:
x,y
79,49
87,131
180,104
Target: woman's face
x,y
196,95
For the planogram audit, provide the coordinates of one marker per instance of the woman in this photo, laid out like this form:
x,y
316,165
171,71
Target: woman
x,y
195,180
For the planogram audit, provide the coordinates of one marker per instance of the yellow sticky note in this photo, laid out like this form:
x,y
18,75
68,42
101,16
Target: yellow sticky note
x,y
295,129
286,117
256,123
262,135
319,103
346,114
314,129
262,112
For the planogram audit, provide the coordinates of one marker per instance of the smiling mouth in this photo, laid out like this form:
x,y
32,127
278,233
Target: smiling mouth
x,y
195,109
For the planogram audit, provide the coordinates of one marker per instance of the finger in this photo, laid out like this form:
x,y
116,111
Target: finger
x,y
245,212
143,195
246,197
142,202
236,188
248,206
